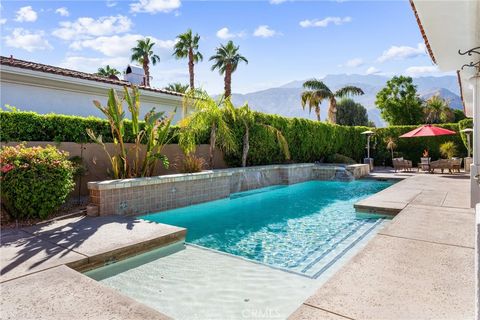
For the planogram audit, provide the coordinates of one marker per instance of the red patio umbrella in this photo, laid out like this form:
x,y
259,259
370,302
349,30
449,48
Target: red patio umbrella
x,y
427,130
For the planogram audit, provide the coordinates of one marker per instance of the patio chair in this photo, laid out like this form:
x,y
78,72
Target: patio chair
x,y
424,164
456,164
401,164
442,164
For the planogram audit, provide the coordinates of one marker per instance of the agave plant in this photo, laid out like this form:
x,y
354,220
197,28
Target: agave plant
x,y
247,117
152,135
209,114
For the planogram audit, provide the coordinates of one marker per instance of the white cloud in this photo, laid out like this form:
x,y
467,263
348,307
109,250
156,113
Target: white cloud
x,y
63,12
324,22
111,3
114,46
402,52
26,14
372,70
277,1
3,21
155,6
353,63
264,31
27,40
225,34
86,26
419,70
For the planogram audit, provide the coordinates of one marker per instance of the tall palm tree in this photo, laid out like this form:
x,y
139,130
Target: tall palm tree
x,y
107,71
143,54
226,61
177,87
209,114
187,47
318,91
437,110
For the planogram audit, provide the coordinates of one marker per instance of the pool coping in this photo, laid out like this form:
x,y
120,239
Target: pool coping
x,y
358,291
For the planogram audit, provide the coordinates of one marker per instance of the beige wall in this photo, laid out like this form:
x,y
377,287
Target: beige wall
x,y
97,161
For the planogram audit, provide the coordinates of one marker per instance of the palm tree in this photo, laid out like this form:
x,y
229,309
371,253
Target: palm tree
x,y
247,117
177,87
143,54
226,61
187,47
209,114
318,91
437,110
107,71
391,145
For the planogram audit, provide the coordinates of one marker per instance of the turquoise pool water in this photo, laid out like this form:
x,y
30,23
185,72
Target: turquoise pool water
x,y
290,227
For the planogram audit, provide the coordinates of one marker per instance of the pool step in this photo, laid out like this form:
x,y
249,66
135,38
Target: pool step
x,y
322,261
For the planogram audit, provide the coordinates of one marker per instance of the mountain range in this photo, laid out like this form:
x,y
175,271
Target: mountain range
x,y
285,100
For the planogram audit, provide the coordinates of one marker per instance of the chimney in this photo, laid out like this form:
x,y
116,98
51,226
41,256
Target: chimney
x,y
135,75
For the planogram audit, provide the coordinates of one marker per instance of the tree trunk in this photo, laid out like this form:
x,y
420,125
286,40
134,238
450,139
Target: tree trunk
x,y
228,80
317,111
146,69
332,111
190,68
213,141
246,146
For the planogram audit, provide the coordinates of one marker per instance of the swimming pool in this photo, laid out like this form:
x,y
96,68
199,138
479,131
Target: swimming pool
x,y
302,228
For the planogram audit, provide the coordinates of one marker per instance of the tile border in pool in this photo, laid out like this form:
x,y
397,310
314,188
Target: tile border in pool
x,y
153,194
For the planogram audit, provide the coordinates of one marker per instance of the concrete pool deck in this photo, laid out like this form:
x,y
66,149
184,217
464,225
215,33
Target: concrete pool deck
x,y
39,257
420,266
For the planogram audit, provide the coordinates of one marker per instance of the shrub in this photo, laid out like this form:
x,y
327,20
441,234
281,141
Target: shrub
x,y
448,149
190,164
35,181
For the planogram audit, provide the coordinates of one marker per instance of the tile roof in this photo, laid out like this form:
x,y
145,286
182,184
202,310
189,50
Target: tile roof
x,y
10,61
422,31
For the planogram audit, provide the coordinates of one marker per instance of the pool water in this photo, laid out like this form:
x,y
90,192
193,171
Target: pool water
x,y
301,227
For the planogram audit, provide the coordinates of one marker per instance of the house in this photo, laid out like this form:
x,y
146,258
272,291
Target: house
x,y
451,31
32,86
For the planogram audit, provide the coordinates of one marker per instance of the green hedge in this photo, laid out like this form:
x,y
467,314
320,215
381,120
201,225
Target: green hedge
x,y
308,140
31,126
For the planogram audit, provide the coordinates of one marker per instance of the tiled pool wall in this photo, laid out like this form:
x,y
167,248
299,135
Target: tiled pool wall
x,y
147,195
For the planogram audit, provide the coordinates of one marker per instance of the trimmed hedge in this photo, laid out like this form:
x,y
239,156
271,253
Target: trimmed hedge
x,y
31,126
308,140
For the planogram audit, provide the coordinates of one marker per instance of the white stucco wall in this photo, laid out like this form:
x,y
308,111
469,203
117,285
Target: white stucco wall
x,y
66,95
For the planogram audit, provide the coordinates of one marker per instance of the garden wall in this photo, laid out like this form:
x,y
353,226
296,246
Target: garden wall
x,y
97,163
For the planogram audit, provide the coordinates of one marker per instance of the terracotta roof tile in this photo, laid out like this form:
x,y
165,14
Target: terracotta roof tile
x,y
422,31
10,61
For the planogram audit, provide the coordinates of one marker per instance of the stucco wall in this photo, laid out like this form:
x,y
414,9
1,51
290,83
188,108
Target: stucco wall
x,y
49,100
46,93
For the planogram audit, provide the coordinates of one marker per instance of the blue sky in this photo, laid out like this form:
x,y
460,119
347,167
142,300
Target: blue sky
x,y
283,40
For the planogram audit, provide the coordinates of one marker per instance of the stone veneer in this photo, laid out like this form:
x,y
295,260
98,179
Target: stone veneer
x,y
146,195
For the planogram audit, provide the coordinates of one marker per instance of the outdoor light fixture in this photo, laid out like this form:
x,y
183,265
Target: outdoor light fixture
x,y
368,160
468,132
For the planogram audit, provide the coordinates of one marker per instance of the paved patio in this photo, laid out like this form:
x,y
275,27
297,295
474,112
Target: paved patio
x,y
34,273
421,266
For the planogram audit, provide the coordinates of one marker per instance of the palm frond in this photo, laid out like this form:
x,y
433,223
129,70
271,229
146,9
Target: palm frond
x,y
349,90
